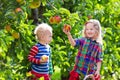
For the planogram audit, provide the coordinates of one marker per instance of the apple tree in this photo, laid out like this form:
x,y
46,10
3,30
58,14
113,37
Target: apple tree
x,y
18,19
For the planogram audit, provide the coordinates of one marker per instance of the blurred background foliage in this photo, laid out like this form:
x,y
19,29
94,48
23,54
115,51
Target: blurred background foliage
x,y
18,18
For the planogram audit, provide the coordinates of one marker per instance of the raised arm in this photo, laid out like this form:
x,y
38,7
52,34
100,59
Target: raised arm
x,y
71,40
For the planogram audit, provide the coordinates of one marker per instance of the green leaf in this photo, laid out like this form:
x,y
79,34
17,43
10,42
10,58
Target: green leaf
x,y
64,11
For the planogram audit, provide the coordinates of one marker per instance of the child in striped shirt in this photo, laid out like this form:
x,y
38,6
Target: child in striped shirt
x,y
89,57
40,54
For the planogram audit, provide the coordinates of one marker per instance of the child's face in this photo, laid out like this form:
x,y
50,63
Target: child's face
x,y
47,37
90,31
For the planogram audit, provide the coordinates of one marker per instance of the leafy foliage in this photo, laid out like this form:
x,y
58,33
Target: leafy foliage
x,y
16,34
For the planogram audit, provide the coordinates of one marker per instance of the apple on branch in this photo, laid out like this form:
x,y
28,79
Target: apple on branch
x,y
52,20
18,10
55,19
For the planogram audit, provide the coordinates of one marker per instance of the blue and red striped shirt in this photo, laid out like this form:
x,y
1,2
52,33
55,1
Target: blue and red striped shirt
x,y
35,55
90,52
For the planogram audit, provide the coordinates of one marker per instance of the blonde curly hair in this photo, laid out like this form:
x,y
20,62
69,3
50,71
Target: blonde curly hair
x,y
97,26
41,29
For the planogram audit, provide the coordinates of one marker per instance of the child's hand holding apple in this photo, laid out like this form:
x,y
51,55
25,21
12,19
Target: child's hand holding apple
x,y
44,58
66,29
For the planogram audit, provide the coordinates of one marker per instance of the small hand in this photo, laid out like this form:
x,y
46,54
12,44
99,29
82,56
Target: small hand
x,y
66,29
97,74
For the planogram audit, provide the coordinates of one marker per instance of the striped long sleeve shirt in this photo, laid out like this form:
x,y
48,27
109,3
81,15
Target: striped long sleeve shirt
x,y
35,55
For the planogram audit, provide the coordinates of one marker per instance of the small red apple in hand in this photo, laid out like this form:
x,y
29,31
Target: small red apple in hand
x,y
44,58
67,27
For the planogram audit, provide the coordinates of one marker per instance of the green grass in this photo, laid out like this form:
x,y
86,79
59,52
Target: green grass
x,y
56,75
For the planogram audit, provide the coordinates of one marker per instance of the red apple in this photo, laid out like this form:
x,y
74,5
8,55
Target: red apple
x,y
52,20
57,19
18,10
8,28
44,57
67,27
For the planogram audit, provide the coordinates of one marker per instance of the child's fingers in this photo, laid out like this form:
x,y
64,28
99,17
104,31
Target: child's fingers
x,y
66,31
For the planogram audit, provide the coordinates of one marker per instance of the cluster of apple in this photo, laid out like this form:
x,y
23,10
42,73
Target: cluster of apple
x,y
33,3
55,19
15,34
